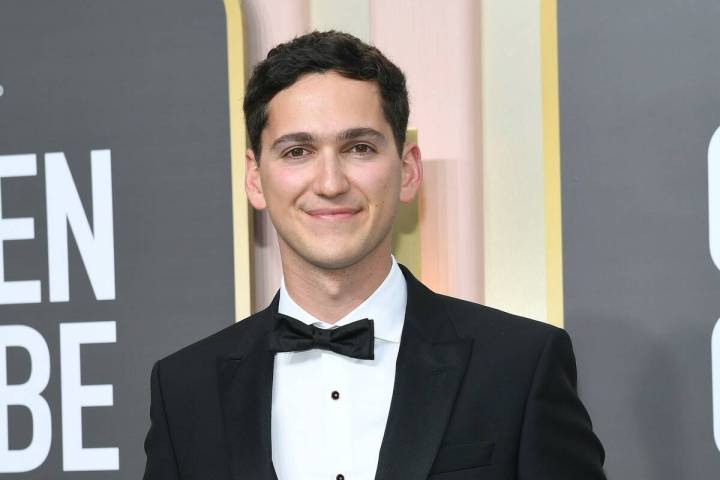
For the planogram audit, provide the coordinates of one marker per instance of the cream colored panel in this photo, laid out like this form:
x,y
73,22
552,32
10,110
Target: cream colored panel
x,y
351,16
515,268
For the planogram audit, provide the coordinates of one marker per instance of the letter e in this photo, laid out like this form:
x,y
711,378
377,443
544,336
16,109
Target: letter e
x,y
27,291
75,396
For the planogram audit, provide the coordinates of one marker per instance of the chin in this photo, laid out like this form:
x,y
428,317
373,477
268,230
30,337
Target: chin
x,y
332,256
331,252
332,262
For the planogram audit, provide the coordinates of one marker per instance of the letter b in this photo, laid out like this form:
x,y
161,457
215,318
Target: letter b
x,y
26,394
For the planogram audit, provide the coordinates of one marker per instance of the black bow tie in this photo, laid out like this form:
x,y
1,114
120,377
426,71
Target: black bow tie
x,y
354,339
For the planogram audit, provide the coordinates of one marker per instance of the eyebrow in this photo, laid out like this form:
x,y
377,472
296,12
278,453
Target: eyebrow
x,y
345,135
296,137
364,132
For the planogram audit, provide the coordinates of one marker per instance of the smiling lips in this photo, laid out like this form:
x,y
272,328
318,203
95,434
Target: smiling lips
x,y
336,213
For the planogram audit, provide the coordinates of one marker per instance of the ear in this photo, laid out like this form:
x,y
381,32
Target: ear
x,y
412,172
253,184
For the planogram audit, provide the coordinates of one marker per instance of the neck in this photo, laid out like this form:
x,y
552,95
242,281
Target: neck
x,y
329,295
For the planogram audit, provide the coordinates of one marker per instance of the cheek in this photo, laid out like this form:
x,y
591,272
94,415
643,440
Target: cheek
x,y
281,184
381,188
381,184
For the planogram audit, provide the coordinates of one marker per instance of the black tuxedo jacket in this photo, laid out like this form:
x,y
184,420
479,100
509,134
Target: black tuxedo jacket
x,y
479,394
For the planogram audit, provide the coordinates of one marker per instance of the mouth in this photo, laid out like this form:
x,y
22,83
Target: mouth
x,y
332,214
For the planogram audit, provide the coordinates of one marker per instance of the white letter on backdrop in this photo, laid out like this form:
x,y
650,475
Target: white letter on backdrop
x,y
28,395
27,291
75,396
714,224
63,208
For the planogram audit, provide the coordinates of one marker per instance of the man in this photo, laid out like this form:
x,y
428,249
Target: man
x,y
356,370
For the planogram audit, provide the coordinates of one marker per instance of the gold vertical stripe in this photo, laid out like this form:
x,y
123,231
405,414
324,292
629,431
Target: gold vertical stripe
x,y
240,208
551,161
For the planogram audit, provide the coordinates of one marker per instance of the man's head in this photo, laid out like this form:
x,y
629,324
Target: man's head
x,y
320,52
332,171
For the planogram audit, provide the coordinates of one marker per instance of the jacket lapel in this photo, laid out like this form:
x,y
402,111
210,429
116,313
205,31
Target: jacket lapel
x,y
430,367
245,383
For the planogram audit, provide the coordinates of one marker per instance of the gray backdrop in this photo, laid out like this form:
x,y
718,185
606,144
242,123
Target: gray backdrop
x,y
148,81
640,98
639,101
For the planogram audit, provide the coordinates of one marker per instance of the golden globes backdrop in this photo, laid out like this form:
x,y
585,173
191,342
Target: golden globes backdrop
x,y
639,104
116,210
115,228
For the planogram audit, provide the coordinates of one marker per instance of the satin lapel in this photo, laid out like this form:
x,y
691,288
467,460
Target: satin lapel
x,y
245,383
427,379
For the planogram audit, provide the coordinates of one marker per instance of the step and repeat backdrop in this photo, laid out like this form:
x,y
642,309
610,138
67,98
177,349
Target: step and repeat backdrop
x,y
639,107
115,221
116,241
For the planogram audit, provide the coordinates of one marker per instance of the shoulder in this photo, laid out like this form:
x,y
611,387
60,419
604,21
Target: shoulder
x,y
524,350
493,328
469,316
238,337
490,326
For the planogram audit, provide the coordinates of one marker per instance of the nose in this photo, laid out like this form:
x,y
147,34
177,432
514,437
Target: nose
x,y
330,177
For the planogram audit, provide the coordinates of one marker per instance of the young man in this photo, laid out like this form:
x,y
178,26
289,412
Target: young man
x,y
356,370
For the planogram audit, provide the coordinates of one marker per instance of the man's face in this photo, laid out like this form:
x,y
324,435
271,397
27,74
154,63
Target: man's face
x,y
329,173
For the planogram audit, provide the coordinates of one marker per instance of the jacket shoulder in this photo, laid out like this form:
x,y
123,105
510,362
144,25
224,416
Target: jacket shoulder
x,y
236,337
469,319
476,320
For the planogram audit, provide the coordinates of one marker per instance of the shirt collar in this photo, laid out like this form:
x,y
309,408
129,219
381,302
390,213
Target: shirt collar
x,y
385,306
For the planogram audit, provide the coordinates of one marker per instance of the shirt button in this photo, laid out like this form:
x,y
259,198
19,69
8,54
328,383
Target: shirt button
x,y
335,395
340,476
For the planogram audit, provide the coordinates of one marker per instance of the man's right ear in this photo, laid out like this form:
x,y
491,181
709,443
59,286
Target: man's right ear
x,y
253,184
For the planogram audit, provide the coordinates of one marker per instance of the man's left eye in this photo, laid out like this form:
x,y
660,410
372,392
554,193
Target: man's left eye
x,y
362,148
296,152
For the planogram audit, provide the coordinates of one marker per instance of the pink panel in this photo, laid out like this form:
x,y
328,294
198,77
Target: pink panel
x,y
267,23
437,46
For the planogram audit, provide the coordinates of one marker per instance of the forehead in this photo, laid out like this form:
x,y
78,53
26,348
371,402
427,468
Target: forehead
x,y
325,103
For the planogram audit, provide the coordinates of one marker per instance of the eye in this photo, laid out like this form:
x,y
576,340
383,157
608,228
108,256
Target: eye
x,y
362,149
296,152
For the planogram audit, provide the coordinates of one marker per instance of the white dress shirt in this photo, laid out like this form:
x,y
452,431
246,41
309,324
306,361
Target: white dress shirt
x,y
328,410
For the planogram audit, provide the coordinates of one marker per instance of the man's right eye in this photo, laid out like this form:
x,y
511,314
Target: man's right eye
x,y
295,152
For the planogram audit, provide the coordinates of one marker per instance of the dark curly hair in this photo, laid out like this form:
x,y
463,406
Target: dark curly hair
x,y
319,52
